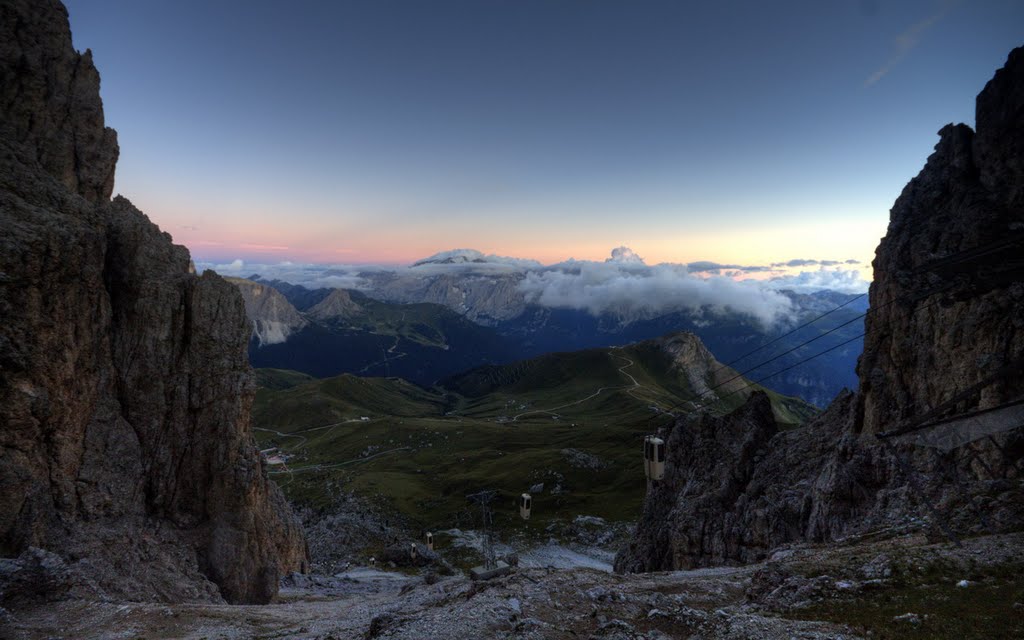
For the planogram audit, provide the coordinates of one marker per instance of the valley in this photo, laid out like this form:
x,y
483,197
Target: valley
x,y
567,427
473,445
428,327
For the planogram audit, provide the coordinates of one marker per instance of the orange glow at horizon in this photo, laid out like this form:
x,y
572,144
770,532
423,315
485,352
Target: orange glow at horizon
x,y
223,231
763,247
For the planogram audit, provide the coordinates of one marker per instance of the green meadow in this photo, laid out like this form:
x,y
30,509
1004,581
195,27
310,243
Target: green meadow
x,y
422,451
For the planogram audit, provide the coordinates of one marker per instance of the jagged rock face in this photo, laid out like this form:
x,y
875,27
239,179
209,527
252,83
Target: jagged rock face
x,y
125,391
735,488
273,317
51,101
918,354
337,305
702,527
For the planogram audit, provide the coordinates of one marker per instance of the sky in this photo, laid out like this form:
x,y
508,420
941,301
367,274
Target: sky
x,y
743,133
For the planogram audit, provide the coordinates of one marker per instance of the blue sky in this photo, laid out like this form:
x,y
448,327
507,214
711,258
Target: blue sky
x,y
385,131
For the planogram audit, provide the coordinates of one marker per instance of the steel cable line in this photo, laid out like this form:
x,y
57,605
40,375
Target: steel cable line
x,y
787,352
930,292
696,398
917,298
820,353
978,250
789,333
771,375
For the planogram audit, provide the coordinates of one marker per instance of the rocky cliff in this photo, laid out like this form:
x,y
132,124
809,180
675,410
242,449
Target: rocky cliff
x,y
273,317
947,314
127,464
486,299
921,348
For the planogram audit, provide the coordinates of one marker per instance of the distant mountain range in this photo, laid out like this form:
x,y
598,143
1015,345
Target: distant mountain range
x,y
433,325
334,331
729,336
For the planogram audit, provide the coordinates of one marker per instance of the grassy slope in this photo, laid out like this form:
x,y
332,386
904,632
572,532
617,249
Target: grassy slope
x,y
489,428
423,323
277,379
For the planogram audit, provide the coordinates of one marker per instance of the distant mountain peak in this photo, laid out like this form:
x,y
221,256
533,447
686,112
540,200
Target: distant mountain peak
x,y
473,257
455,256
338,304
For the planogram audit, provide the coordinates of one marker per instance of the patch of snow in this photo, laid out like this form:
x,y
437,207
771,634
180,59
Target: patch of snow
x,y
558,557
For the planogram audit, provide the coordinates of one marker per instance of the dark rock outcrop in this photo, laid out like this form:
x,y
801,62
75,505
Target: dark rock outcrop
x,y
919,352
125,392
706,531
51,101
735,488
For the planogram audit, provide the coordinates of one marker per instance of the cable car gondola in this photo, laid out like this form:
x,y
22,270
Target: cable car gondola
x,y
654,458
525,504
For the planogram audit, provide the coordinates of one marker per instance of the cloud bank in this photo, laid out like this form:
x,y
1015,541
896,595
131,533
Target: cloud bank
x,y
622,285
841,280
607,287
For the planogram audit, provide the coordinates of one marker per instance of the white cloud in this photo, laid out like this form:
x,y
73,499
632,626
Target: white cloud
x,y
841,280
622,285
626,291
233,268
624,255
312,276
907,40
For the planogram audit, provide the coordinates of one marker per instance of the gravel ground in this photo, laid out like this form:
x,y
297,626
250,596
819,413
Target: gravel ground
x,y
737,602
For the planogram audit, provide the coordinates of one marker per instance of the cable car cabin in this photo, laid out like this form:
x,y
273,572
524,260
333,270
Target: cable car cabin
x,y
654,457
412,550
525,504
430,541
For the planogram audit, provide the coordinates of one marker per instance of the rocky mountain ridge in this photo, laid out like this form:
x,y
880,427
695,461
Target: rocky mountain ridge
x,y
537,329
127,464
935,332
345,331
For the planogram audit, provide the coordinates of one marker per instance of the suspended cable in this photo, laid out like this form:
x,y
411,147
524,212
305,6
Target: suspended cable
x,y
980,250
699,406
771,375
787,352
789,333
932,291
830,331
